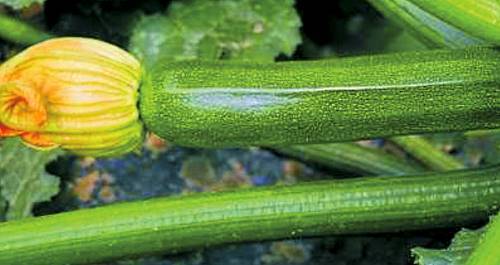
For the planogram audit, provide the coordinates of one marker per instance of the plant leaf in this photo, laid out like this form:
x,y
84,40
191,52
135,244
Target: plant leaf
x,y
486,250
220,29
19,4
457,253
23,180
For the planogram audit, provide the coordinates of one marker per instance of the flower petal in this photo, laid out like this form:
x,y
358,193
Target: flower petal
x,y
38,141
21,107
8,132
76,93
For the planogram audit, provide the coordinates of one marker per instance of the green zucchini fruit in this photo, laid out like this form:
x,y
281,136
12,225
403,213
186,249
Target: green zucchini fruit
x,y
230,104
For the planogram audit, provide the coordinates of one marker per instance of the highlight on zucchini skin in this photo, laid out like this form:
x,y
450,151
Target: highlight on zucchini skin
x,y
170,225
229,104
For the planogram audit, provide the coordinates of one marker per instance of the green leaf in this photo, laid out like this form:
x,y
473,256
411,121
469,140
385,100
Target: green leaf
x,y
218,29
457,253
23,180
19,4
486,250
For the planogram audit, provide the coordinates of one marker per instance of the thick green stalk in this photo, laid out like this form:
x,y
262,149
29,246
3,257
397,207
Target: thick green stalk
x,y
482,133
480,18
425,152
352,157
216,104
169,225
486,251
424,25
20,32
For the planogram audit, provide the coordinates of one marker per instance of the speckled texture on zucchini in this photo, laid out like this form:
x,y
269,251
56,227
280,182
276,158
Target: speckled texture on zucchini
x,y
221,104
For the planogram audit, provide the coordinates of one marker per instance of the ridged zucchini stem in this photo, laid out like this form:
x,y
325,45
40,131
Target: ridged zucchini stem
x,y
351,157
229,104
169,225
426,25
476,17
426,153
20,32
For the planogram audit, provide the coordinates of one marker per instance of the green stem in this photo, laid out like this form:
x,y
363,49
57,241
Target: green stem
x,y
486,252
169,225
352,157
227,104
425,25
479,18
20,32
429,155
482,133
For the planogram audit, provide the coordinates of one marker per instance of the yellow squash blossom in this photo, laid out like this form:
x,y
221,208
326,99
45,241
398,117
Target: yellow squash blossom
x,y
76,93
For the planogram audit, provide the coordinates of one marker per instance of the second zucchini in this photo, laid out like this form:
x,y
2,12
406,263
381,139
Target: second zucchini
x,y
227,104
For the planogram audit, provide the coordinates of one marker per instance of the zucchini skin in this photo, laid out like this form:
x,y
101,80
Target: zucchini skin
x,y
173,224
231,104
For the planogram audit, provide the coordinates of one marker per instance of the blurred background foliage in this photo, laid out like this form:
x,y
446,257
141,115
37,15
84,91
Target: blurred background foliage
x,y
232,30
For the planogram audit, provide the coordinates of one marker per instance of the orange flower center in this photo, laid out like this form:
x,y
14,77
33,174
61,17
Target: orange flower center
x,y
22,108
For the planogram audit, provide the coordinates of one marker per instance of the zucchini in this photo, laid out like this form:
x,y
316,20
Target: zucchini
x,y
170,225
231,104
